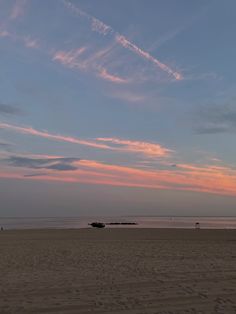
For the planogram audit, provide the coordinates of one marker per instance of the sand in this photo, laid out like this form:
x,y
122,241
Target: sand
x,y
134,271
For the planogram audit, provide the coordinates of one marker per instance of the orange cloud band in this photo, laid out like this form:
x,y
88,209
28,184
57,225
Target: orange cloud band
x,y
207,179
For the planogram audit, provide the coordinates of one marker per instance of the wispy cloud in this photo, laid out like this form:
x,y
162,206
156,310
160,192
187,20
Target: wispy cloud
x,y
100,27
47,135
18,9
76,59
218,180
70,58
146,148
101,63
37,174
123,41
96,24
184,177
59,164
113,144
31,42
111,77
27,41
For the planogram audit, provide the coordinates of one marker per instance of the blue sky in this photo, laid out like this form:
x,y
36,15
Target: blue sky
x,y
129,103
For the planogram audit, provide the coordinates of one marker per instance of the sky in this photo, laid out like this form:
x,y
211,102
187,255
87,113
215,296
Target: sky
x,y
117,107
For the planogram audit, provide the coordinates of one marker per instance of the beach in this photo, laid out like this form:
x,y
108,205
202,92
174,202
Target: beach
x,y
134,271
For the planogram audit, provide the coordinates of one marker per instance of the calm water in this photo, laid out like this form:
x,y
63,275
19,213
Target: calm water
x,y
143,222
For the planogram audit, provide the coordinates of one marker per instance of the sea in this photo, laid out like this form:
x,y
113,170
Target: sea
x,y
141,222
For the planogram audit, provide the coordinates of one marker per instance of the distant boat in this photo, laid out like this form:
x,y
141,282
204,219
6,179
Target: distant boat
x,y
97,225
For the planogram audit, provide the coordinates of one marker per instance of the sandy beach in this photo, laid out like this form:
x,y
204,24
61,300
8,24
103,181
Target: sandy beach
x,y
134,271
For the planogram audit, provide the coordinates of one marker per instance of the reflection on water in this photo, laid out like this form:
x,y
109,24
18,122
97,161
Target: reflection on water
x,y
142,222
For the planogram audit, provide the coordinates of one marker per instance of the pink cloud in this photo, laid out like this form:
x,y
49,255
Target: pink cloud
x,y
189,177
27,41
31,42
116,144
100,27
70,58
205,178
110,77
18,9
196,178
76,59
146,148
56,137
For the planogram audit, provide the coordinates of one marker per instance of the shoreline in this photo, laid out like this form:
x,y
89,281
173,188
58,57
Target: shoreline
x,y
119,228
121,222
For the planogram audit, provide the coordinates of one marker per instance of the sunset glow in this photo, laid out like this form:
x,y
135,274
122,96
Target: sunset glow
x,y
139,104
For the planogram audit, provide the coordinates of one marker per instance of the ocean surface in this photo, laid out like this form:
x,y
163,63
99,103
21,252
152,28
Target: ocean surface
x,y
142,222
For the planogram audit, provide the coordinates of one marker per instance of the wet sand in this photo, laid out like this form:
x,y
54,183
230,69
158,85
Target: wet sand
x,y
134,271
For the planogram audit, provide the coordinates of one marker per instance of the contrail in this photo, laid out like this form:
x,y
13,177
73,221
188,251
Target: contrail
x,y
123,41
96,24
102,28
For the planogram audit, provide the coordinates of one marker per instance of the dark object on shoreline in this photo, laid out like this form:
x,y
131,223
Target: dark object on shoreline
x,y
197,225
121,223
1,228
97,225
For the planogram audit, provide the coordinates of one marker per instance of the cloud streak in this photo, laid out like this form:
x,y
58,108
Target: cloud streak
x,y
76,59
70,58
102,28
146,148
28,41
113,144
31,42
47,135
59,164
18,9
123,41
182,177
110,77
96,24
